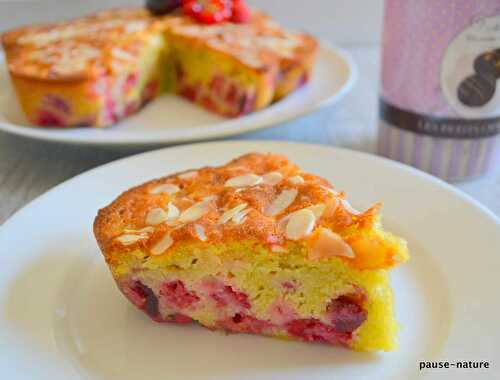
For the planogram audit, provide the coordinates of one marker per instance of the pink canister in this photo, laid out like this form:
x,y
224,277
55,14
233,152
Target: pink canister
x,y
440,88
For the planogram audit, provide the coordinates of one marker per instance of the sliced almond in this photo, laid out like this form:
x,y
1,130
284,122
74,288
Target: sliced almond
x,y
188,175
172,211
156,216
330,190
331,207
145,230
349,208
194,212
129,239
272,178
121,54
296,180
210,198
240,217
228,215
329,244
317,210
244,180
168,188
200,232
283,221
281,202
162,245
300,224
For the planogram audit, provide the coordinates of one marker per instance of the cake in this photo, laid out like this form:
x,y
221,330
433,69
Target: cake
x,y
98,69
255,246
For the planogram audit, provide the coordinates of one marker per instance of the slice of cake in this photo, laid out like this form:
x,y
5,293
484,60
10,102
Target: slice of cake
x,y
99,69
255,246
94,70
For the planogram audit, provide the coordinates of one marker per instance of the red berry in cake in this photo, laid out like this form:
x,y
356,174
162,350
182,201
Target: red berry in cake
x,y
208,11
177,296
161,7
241,12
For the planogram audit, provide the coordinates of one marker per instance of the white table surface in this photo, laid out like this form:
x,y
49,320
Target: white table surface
x,y
29,168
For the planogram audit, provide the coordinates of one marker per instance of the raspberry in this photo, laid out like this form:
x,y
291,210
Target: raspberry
x,y
143,297
241,12
208,11
226,296
49,119
346,315
177,296
241,323
313,330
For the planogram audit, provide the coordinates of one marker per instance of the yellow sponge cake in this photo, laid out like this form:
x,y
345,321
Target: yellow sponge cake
x,y
255,246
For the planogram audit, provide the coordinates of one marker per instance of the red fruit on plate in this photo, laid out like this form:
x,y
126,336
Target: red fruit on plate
x,y
241,12
208,11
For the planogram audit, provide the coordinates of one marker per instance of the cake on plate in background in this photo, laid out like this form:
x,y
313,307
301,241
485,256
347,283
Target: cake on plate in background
x,y
98,69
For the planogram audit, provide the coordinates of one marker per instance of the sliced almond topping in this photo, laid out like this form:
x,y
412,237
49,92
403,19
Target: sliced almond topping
x,y
317,210
145,230
331,207
121,54
200,232
349,208
278,248
241,216
281,202
128,239
272,178
296,180
329,244
172,211
330,190
300,224
188,175
210,198
168,188
228,215
283,221
156,216
194,212
244,180
162,245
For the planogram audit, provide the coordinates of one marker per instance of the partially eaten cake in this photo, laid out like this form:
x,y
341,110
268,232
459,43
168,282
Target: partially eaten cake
x,y
97,70
255,246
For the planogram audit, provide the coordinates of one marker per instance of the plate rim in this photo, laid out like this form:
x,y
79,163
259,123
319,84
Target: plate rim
x,y
41,134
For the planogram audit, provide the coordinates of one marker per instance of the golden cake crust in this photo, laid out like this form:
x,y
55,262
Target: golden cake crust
x,y
249,185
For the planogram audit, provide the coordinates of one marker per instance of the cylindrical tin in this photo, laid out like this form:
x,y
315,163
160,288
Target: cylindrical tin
x,y
440,87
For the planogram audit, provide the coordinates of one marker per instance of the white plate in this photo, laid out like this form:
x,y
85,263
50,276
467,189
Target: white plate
x,y
170,119
62,317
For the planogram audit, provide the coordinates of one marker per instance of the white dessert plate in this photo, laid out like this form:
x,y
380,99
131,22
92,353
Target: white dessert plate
x,y
170,119
62,317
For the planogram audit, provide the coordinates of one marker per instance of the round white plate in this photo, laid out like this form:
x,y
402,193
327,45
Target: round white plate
x,y
61,316
171,119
